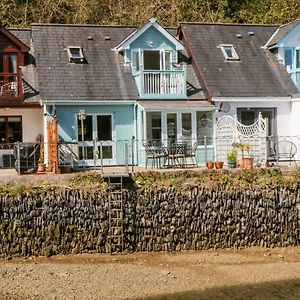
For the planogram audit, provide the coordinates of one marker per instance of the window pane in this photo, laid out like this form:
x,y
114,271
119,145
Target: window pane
x,y
14,137
204,127
167,60
87,129
151,60
136,59
14,123
187,126
14,129
12,63
172,128
288,57
104,128
154,126
106,152
75,52
2,137
298,58
1,63
10,129
228,51
89,153
2,124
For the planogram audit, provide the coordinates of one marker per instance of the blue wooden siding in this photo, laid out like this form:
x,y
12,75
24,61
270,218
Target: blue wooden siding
x,y
123,117
158,42
123,121
291,42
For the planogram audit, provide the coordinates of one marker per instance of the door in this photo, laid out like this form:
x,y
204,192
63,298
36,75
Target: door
x,y
248,116
95,138
104,136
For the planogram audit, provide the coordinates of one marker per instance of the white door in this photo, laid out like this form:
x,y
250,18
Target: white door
x,y
98,133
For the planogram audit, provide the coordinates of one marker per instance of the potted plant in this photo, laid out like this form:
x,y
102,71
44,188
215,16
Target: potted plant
x,y
41,164
247,161
210,165
219,164
232,158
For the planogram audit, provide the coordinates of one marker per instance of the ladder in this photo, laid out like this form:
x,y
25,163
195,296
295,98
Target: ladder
x,y
116,242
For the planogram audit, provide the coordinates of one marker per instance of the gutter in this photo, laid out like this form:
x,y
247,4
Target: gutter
x,y
252,99
92,102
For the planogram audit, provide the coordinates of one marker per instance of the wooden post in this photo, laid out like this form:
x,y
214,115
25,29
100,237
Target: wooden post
x,y
52,146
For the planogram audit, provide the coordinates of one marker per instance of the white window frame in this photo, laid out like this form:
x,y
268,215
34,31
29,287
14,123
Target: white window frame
x,y
72,58
179,136
234,54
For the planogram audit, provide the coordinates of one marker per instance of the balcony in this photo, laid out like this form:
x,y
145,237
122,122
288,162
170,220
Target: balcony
x,y
10,86
159,84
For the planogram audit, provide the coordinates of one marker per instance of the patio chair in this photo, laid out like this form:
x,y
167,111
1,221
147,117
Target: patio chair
x,y
177,155
156,154
191,153
283,151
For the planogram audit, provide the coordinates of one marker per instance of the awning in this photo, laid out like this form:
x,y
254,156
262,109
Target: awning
x,y
167,105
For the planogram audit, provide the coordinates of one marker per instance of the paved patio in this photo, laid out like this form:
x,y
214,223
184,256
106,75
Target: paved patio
x,y
11,175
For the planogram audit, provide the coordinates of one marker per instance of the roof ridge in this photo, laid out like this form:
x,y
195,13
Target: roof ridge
x,y
20,29
81,25
289,23
229,24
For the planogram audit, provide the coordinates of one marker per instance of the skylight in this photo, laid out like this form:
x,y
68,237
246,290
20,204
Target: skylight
x,y
229,52
75,54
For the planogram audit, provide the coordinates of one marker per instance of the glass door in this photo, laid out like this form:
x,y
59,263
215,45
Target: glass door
x,y
186,119
104,141
171,128
95,134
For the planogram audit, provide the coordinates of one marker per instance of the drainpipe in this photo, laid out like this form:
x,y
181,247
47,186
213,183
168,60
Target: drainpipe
x,y
135,132
45,133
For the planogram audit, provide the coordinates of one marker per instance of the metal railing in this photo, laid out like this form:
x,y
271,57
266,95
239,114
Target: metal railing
x,y
98,155
9,85
152,83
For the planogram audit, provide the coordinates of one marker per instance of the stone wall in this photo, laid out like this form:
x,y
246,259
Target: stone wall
x,y
71,221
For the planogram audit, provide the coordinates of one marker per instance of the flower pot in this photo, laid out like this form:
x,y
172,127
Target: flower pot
x,y
41,168
248,162
231,164
219,164
210,165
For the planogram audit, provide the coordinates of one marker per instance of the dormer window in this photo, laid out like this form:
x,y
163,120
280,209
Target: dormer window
x,y
75,54
229,52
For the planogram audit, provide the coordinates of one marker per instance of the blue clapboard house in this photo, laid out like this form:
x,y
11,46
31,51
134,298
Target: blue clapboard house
x,y
111,86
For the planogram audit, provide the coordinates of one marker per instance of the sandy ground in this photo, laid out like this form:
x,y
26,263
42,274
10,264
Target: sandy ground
x,y
228,274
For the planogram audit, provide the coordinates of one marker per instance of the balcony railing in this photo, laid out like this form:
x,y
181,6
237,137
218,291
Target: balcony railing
x,y
10,85
161,84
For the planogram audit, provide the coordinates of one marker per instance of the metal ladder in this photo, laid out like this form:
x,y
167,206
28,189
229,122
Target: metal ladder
x,y
116,242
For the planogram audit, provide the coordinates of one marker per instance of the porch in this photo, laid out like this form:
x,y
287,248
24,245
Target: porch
x,y
139,155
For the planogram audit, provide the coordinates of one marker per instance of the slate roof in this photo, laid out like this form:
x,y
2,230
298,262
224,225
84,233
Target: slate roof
x,y
24,35
104,75
256,74
281,32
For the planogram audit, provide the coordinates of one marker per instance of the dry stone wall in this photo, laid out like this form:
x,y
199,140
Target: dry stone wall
x,y
71,221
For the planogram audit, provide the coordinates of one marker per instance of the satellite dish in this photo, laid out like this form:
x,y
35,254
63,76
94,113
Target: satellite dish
x,y
224,107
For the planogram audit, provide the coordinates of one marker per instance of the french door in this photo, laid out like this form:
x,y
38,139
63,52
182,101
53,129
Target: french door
x,y
96,140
